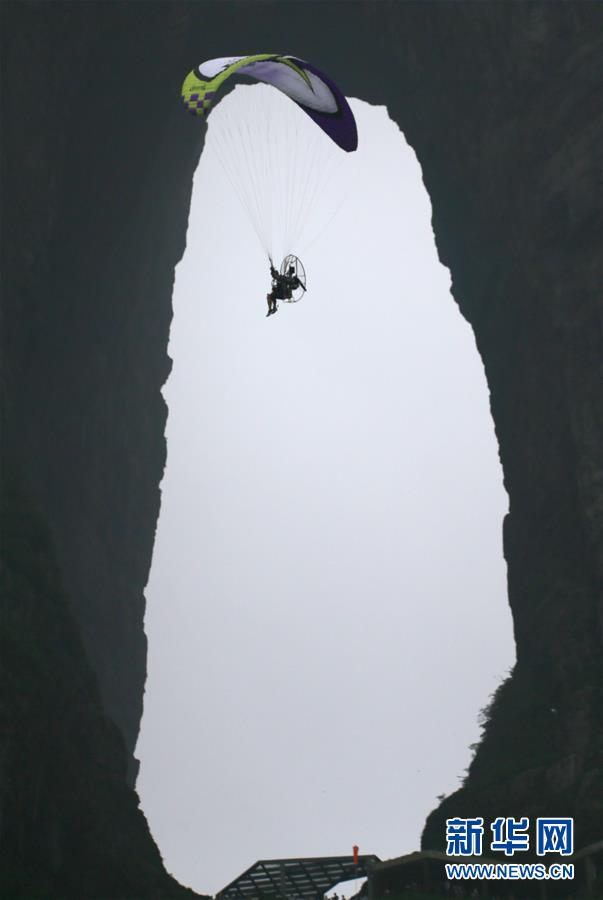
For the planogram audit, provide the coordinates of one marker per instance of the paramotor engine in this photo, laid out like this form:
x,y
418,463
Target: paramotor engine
x,y
292,262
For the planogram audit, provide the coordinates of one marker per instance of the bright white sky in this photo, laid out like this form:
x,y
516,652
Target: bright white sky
x,y
327,608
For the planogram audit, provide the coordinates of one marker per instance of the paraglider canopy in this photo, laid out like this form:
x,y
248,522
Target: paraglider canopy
x,y
281,142
311,89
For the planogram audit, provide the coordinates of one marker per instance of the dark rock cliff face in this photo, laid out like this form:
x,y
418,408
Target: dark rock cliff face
x,y
502,105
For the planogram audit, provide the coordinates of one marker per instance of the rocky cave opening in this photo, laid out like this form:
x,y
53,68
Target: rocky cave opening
x,y
331,523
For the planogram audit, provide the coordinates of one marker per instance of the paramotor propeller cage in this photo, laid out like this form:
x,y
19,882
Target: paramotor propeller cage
x,y
298,272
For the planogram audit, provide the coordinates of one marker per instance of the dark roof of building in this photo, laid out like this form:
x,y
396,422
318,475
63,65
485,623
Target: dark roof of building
x,y
296,878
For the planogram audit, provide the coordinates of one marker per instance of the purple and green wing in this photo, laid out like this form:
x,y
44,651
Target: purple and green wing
x,y
311,89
